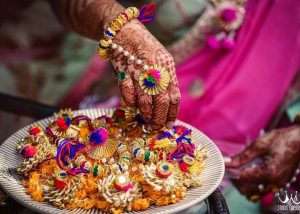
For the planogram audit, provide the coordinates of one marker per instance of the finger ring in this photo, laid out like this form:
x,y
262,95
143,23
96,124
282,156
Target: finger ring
x,y
154,80
261,188
121,76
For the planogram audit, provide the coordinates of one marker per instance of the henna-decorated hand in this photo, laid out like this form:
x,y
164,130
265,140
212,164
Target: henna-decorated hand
x,y
280,151
161,109
90,18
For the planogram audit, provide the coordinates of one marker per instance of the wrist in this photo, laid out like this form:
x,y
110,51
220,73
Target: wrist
x,y
132,24
113,15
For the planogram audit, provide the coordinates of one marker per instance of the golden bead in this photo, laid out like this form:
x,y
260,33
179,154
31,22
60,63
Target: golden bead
x,y
102,53
103,44
122,18
116,25
129,13
136,11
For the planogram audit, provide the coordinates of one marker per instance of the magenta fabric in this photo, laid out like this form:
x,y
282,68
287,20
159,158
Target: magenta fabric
x,y
244,87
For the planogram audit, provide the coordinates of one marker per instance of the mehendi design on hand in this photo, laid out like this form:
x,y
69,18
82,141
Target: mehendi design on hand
x,y
86,17
280,150
158,109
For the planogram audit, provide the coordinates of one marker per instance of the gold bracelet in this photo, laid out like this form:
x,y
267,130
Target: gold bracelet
x,y
116,25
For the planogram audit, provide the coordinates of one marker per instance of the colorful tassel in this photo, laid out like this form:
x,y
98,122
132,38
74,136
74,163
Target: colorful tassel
x,y
81,118
66,151
184,167
35,130
147,13
98,137
212,42
29,151
228,15
64,122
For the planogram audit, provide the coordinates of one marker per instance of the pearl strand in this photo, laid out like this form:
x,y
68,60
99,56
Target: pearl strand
x,y
126,54
293,179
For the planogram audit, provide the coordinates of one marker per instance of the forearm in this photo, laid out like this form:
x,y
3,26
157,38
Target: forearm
x,y
86,17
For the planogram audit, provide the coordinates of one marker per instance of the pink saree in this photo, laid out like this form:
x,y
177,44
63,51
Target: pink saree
x,y
244,87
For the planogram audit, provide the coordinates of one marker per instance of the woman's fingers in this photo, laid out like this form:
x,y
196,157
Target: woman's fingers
x,y
164,58
257,148
175,97
126,88
143,100
269,172
249,154
160,110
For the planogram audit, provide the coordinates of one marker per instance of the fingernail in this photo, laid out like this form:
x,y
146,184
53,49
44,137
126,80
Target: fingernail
x,y
169,124
227,159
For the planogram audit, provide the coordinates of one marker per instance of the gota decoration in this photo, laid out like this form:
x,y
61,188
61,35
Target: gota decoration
x,y
106,150
154,80
211,176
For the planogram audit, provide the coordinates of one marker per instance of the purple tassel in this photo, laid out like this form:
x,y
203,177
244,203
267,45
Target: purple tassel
x,y
50,133
66,151
83,117
147,12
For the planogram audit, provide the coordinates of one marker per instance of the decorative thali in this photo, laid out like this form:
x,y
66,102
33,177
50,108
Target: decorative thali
x,y
10,159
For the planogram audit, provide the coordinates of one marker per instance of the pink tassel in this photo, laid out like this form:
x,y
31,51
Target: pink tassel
x,y
212,42
228,43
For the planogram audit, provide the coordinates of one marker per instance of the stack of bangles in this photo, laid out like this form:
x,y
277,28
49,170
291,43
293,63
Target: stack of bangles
x,y
154,79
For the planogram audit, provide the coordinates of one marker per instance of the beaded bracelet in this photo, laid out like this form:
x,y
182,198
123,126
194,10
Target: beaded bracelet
x,y
294,178
124,17
153,79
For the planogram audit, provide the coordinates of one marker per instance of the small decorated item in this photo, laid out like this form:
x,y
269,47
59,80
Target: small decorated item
x,y
98,137
29,151
62,126
154,80
122,183
100,146
164,169
228,15
60,179
36,130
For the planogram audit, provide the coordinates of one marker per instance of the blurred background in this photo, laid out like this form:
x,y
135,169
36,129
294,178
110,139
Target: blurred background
x,y
235,84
